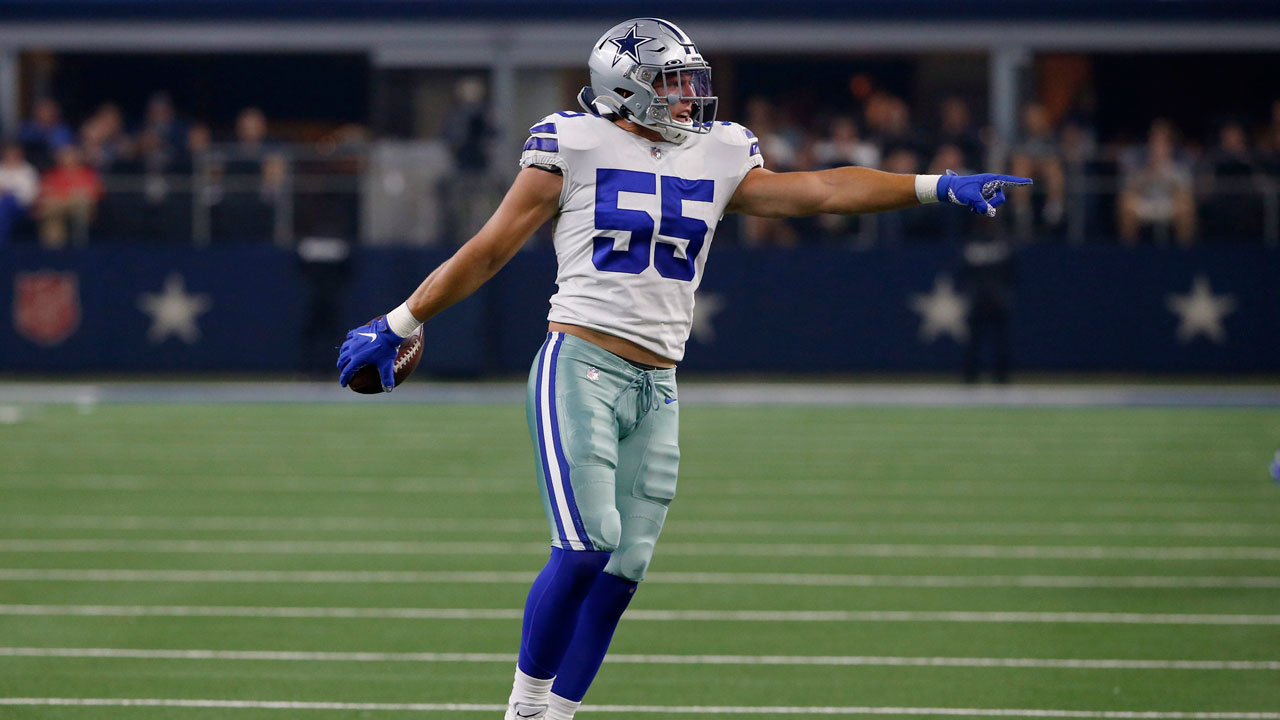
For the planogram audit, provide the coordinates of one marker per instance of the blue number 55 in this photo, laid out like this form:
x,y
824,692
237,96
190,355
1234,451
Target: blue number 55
x,y
674,223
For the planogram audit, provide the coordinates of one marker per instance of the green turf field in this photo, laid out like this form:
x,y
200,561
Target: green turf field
x,y
370,560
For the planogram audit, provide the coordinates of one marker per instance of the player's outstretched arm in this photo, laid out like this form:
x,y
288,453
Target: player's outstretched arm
x,y
533,199
855,190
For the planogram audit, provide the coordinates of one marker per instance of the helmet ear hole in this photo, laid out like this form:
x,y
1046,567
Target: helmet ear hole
x,y
625,93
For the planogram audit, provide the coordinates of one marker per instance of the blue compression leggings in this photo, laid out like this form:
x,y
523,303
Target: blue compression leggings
x,y
569,619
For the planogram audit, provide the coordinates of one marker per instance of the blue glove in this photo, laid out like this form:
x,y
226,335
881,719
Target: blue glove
x,y
372,344
982,193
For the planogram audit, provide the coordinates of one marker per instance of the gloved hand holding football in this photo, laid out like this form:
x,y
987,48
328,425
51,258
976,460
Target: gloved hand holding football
x,y
375,359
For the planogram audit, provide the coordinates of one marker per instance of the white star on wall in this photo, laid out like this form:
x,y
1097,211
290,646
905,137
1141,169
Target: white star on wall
x,y
173,311
706,307
942,311
1200,312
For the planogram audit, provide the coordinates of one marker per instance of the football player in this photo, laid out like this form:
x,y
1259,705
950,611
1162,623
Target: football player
x,y
636,183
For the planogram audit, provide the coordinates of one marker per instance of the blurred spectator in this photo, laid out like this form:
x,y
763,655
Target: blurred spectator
x,y
69,195
844,147
248,214
778,148
196,149
245,182
888,122
949,157
146,203
251,134
470,194
1231,188
987,278
19,185
1036,155
342,156
1084,168
102,138
45,133
1156,190
956,128
162,121
466,127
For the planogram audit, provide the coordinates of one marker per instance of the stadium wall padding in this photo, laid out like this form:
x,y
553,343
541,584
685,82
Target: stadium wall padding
x,y
808,310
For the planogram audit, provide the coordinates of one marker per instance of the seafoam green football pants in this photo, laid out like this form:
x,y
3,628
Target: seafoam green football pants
x,y
605,437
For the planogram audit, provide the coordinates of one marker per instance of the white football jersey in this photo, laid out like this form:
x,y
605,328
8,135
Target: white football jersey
x,y
635,223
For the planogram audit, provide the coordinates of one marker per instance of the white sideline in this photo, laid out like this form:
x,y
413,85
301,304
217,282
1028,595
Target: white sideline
x,y
884,550
1104,618
690,526
441,577
624,659
669,709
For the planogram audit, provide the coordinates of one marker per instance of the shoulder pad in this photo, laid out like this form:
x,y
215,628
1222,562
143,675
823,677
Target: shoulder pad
x,y
731,133
572,130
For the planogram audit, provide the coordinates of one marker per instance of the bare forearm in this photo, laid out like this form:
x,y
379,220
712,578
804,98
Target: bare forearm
x,y
854,190
839,191
452,282
532,200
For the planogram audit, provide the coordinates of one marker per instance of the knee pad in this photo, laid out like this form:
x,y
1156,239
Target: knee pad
x,y
632,561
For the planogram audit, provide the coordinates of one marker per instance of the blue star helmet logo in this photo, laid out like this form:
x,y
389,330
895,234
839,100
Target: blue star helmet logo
x,y
629,44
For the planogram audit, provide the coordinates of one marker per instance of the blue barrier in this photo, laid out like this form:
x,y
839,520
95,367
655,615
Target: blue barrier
x,y
245,309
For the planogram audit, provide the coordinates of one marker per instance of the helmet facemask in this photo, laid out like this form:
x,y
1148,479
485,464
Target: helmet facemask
x,y
672,88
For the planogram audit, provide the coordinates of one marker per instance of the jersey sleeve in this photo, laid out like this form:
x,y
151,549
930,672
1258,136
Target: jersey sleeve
x,y
740,148
543,146
754,158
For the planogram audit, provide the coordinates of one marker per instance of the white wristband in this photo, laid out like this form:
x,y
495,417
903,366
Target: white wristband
x,y
401,321
927,188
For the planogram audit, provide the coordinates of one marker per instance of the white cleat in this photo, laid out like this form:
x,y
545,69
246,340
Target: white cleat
x,y
520,711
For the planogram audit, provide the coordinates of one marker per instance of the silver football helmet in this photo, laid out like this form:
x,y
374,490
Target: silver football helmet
x,y
642,70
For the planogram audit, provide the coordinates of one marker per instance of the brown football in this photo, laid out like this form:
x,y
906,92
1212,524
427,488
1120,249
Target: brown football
x,y
366,380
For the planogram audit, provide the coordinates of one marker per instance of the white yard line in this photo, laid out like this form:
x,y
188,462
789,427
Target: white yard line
x,y
1131,495
395,547
442,577
869,616
690,526
767,394
623,659
663,709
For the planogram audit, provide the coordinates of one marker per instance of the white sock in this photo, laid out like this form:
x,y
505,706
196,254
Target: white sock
x,y
560,709
528,690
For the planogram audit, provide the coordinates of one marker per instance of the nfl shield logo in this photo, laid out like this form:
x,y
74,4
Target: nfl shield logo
x,y
656,152
593,374
46,306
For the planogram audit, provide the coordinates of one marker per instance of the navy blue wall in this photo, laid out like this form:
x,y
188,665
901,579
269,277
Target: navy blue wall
x,y
808,310
971,10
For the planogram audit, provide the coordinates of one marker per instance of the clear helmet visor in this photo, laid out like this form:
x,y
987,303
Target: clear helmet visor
x,y
683,97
